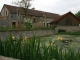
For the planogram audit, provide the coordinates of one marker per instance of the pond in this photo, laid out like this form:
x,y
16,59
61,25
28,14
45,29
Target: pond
x,y
74,43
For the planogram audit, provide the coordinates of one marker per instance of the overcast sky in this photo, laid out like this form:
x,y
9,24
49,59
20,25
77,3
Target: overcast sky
x,y
53,6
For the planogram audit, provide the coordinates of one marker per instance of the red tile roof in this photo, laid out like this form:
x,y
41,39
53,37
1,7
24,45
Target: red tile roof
x,y
61,17
31,12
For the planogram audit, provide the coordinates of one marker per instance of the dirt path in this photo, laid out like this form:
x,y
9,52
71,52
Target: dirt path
x,y
7,58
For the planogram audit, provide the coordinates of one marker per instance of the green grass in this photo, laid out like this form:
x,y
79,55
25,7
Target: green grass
x,y
33,49
31,29
69,33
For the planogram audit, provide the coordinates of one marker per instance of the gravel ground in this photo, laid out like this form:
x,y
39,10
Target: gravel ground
x,y
7,58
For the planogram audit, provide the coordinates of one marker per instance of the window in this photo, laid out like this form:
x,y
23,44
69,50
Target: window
x,y
13,24
44,24
6,13
18,13
34,20
18,24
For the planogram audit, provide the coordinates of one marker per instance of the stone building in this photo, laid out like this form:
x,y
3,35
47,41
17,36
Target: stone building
x,y
13,16
67,22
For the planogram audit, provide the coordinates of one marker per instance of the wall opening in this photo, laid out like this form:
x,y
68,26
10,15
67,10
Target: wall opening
x,y
13,24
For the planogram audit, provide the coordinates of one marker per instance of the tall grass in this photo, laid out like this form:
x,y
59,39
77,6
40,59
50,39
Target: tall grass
x,y
31,49
69,33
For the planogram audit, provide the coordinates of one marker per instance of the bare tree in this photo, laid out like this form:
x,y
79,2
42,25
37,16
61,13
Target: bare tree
x,y
25,4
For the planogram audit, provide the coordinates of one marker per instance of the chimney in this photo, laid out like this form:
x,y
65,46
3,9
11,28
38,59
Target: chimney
x,y
33,8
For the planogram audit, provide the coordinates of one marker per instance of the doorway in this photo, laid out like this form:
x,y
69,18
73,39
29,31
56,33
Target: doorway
x,y
13,24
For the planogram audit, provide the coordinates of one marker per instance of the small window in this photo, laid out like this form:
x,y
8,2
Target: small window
x,y
47,24
44,24
6,13
18,13
34,20
13,24
18,22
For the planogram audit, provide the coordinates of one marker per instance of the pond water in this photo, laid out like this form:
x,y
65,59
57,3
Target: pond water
x,y
75,44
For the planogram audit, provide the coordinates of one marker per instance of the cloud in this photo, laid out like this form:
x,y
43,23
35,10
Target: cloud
x,y
57,6
2,2
64,6
43,4
54,6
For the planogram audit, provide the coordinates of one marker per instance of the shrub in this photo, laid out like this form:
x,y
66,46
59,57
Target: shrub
x,y
61,30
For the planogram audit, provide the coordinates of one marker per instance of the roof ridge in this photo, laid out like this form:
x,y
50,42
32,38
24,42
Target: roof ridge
x,y
60,17
11,5
31,9
31,12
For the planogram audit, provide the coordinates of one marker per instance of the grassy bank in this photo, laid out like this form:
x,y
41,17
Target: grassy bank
x,y
31,29
69,33
32,49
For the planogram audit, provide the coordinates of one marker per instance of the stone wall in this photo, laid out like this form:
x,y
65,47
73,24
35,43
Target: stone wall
x,y
4,34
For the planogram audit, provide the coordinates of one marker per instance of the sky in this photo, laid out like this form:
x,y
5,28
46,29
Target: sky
x,y
54,6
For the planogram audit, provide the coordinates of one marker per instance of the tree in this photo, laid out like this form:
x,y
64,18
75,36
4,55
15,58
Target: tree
x,y
78,14
25,4
27,23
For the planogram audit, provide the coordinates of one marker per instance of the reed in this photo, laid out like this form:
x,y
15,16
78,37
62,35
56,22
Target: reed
x,y
32,49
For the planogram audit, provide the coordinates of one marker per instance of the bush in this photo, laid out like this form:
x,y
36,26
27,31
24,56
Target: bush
x,y
70,33
27,28
61,30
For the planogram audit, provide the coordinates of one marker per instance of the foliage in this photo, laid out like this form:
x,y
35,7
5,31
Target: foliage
x,y
61,30
31,49
25,28
70,33
7,28
77,14
3,28
27,23
25,4
42,28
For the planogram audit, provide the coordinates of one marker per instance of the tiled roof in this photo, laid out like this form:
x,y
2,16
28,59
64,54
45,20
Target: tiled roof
x,y
61,17
13,9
